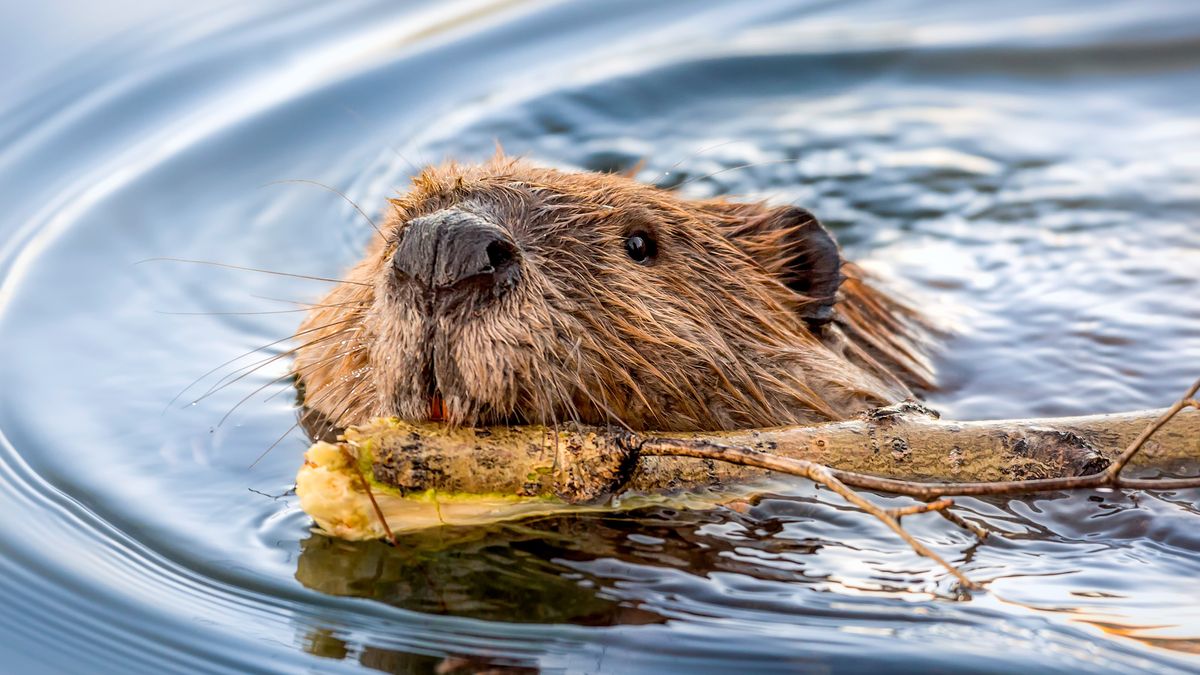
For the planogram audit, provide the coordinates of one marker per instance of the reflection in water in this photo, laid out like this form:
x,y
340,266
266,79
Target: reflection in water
x,y
324,644
1025,171
495,575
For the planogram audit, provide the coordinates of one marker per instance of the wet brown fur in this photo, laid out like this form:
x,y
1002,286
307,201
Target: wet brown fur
x,y
707,336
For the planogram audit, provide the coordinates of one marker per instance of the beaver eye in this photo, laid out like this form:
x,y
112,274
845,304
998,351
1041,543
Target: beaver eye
x,y
640,246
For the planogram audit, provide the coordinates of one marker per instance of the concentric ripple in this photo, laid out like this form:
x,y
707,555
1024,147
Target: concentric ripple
x,y
1029,173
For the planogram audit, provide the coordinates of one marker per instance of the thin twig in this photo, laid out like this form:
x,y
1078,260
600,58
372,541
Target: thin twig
x,y
818,473
366,486
979,532
939,505
1120,462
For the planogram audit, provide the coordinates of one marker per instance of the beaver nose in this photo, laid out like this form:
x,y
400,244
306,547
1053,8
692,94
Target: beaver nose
x,y
449,246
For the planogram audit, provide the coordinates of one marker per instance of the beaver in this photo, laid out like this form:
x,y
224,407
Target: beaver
x,y
508,293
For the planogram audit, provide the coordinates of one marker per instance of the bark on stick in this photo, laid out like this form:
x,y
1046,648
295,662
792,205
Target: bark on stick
x,y
426,474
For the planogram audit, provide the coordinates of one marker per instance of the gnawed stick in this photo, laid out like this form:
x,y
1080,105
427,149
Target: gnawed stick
x,y
426,475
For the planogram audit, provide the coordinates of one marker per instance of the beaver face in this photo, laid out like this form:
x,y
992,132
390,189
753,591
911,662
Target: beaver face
x,y
506,293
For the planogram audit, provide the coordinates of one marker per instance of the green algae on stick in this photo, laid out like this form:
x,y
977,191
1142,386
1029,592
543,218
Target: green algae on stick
x,y
430,474
427,474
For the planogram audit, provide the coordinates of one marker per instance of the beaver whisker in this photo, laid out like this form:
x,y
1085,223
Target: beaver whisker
x,y
748,165
581,385
365,128
621,372
570,409
242,372
281,378
242,356
610,414
349,303
597,382
548,403
288,386
242,268
615,341
557,386
290,429
315,364
307,307
312,418
305,181
344,405
249,369
247,313
690,157
285,376
271,447
534,392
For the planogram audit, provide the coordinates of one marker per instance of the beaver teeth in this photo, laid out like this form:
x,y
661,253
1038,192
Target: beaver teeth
x,y
437,407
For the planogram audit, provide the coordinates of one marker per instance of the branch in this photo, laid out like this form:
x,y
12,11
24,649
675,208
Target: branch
x,y
815,472
839,480
425,475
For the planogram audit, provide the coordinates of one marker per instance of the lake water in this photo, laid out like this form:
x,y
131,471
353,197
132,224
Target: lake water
x,y
1027,172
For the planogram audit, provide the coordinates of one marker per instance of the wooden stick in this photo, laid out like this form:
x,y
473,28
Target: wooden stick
x,y
904,449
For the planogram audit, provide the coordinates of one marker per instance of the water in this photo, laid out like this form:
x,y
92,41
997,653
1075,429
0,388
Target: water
x,y
1028,172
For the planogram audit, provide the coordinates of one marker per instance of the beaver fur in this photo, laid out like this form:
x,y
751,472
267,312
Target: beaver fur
x,y
740,315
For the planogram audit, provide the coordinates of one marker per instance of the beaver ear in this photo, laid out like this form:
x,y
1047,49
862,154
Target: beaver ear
x,y
792,244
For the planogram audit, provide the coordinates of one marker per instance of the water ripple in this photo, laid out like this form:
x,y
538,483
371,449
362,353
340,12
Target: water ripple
x,y
1026,173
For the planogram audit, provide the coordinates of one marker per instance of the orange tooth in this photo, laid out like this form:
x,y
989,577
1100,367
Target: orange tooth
x,y
437,408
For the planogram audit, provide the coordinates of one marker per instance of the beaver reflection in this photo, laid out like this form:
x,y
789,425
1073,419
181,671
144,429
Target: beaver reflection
x,y
508,293
540,571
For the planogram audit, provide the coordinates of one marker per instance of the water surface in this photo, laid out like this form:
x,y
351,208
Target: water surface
x,y
1026,172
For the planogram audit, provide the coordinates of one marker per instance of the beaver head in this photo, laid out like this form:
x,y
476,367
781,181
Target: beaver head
x,y
509,293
